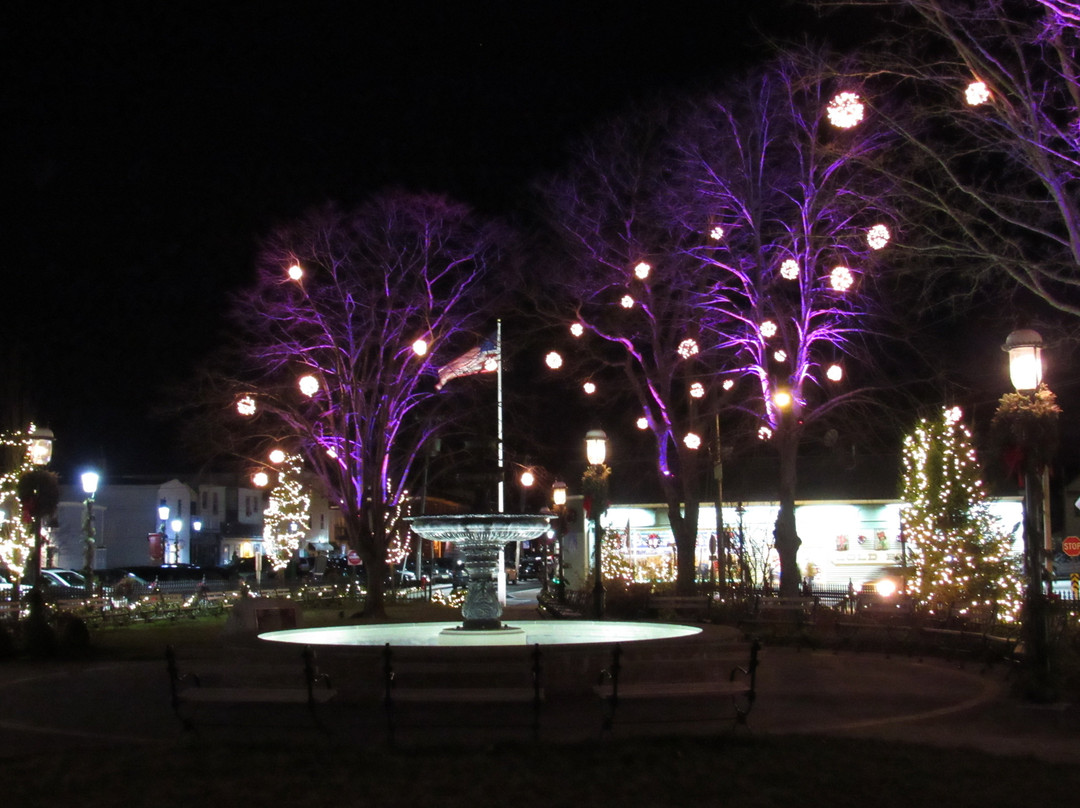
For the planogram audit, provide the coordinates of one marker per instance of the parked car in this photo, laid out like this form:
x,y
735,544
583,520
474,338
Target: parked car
x,y
62,583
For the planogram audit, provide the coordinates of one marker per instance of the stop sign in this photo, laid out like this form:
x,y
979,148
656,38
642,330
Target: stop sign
x,y
354,558
1070,545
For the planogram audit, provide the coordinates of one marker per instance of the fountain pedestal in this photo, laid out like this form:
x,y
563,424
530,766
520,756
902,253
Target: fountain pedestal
x,y
480,538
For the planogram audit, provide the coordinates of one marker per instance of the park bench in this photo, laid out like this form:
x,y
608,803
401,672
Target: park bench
x,y
260,684
985,643
677,681
692,607
781,617
461,685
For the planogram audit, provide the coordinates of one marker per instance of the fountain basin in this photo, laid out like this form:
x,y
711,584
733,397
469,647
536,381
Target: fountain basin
x,y
525,632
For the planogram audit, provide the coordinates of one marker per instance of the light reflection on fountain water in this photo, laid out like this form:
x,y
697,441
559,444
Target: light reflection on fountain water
x,y
480,538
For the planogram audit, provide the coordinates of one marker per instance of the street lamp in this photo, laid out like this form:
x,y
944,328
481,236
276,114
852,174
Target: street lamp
x,y
177,525
594,484
163,517
90,480
1025,370
558,500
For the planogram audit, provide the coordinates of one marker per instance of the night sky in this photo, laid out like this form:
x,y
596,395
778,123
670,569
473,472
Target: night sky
x,y
148,146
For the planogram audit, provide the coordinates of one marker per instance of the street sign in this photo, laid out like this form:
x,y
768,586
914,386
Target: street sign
x,y
1070,545
1075,579
354,558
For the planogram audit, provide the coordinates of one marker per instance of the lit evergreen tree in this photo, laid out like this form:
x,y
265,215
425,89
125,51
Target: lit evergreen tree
x,y
287,515
616,558
962,557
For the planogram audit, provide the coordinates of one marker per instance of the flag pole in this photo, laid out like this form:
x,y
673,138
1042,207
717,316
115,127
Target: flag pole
x,y
499,415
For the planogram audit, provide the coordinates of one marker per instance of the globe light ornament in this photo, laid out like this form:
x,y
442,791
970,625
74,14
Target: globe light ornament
x,y
697,390
260,479
553,360
589,388
642,270
976,93
768,329
789,270
308,384
845,110
277,456
716,233
692,440
642,422
841,279
834,373
246,405
296,272
687,348
728,384
878,237
627,302
576,329
420,347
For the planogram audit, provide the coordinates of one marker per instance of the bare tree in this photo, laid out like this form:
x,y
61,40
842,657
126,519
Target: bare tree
x,y
341,337
719,241
991,118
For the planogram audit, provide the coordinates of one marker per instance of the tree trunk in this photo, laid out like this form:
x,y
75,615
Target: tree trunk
x,y
785,533
683,517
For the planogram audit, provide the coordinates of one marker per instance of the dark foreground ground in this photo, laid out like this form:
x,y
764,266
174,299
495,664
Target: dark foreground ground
x,y
828,729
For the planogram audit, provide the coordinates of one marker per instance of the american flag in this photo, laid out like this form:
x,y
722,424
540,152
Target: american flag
x,y
482,359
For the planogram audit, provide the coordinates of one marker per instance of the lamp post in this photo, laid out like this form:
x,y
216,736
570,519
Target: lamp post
x,y
595,485
163,517
1025,371
177,525
90,480
558,499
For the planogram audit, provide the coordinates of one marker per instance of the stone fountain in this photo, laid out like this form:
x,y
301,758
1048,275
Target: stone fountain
x,y
480,538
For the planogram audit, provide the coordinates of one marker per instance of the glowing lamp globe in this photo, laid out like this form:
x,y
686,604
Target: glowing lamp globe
x,y
420,347
553,360
527,478
596,446
841,279
768,329
260,479
89,481
296,272
834,373
558,492
697,390
576,329
277,456
642,422
627,302
41,445
1025,359
692,441
641,271
687,348
309,385
782,399
789,270
176,525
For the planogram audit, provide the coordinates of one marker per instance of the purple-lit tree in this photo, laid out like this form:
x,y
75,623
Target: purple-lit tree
x,y
342,334
733,246
991,119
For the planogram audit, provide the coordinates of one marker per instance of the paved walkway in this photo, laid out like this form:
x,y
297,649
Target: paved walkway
x,y
48,705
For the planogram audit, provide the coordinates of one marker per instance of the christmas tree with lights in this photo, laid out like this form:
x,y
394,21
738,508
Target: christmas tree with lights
x,y
287,514
962,557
